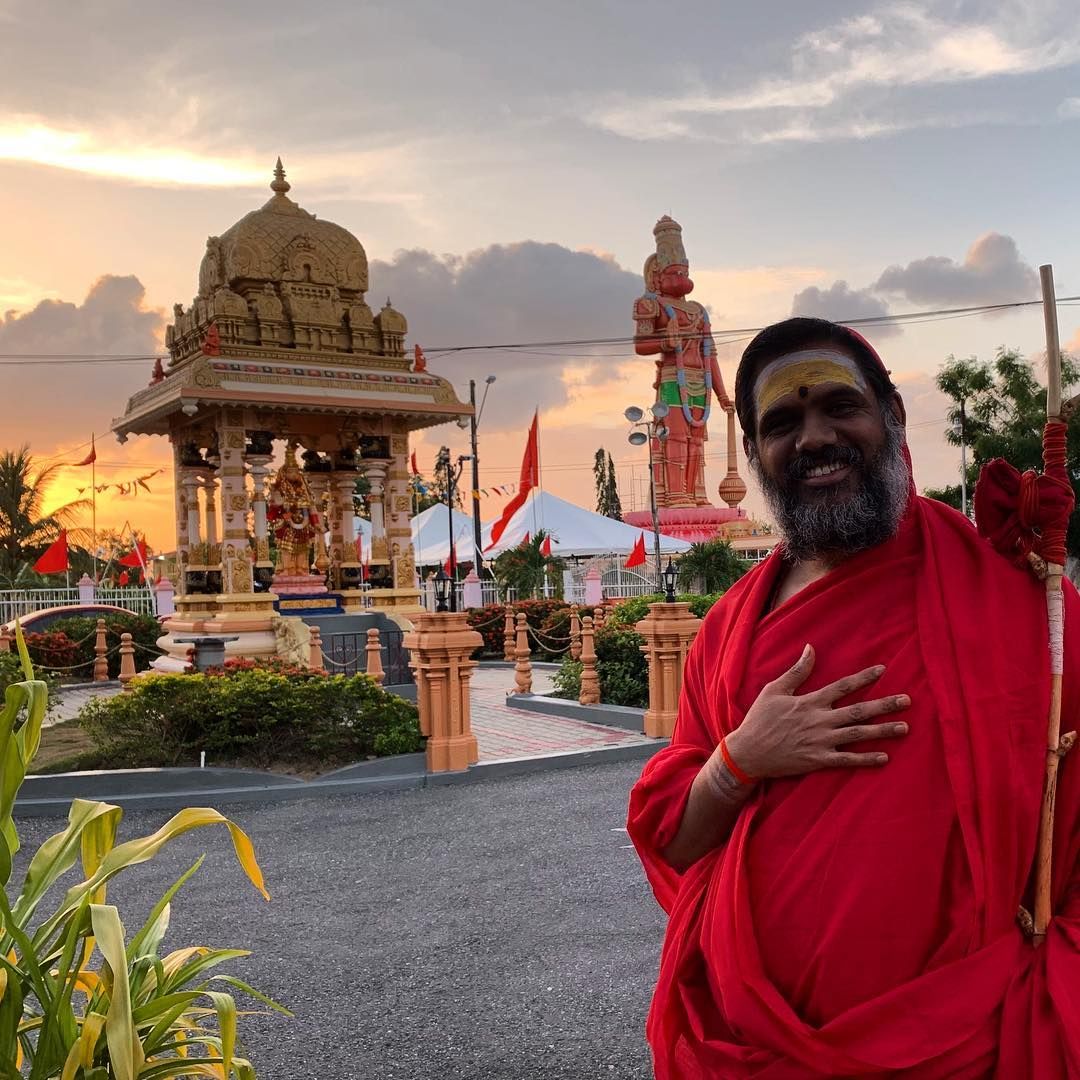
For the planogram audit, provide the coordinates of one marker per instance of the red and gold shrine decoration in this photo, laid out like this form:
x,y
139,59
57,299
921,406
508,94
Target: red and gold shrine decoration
x,y
292,515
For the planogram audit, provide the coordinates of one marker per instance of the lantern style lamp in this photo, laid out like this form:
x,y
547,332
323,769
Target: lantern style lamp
x,y
442,591
671,576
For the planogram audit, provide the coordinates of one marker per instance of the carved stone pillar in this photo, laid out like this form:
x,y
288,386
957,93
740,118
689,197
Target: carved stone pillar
x,y
180,509
668,630
190,480
259,466
403,596
440,647
209,486
235,550
349,573
376,477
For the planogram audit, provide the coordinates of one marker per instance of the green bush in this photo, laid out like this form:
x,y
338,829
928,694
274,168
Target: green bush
x,y
251,717
82,630
11,672
621,667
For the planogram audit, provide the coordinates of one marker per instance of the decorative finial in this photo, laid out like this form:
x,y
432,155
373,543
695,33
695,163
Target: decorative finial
x,y
279,184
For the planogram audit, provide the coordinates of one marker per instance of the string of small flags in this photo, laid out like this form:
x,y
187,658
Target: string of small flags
x,y
129,488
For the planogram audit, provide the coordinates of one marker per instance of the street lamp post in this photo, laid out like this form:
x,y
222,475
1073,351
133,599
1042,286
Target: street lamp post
x,y
653,429
474,423
452,473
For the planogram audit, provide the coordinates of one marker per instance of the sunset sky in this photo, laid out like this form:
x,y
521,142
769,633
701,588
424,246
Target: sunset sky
x,y
503,165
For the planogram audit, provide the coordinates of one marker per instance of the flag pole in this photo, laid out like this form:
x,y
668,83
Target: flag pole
x,y
1056,745
93,501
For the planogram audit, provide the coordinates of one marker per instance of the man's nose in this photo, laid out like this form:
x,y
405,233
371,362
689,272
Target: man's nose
x,y
815,434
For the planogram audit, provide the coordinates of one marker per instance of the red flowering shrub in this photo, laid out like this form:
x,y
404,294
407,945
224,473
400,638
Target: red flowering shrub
x,y
544,616
52,649
275,664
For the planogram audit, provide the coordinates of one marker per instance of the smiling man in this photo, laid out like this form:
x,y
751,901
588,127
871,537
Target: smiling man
x,y
843,827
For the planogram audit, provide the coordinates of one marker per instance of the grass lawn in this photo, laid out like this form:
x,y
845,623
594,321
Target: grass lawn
x,y
62,745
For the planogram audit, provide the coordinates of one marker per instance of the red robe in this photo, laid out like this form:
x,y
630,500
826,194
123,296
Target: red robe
x,y
863,922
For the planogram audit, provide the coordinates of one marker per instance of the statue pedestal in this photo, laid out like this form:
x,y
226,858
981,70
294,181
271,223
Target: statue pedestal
x,y
298,585
248,617
694,524
398,600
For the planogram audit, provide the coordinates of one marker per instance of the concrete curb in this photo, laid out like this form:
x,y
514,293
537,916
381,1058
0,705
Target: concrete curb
x,y
621,716
173,789
509,665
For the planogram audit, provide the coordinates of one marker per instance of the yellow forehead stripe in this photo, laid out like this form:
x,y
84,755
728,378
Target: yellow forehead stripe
x,y
779,380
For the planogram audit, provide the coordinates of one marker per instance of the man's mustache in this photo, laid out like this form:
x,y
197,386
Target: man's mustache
x,y
800,466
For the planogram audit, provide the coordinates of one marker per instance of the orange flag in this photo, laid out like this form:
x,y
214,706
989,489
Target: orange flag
x,y
54,560
637,556
91,457
530,478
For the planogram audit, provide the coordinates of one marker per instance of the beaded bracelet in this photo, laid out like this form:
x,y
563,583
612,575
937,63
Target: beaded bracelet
x,y
729,761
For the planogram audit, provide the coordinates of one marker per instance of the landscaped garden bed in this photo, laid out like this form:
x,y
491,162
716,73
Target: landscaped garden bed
x,y
249,714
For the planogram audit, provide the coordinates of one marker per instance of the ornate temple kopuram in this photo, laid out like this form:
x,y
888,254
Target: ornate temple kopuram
x,y
279,354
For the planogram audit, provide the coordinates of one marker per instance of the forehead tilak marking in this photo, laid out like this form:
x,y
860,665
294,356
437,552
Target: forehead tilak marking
x,y
795,373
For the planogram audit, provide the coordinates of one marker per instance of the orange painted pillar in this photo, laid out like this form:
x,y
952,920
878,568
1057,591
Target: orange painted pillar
x,y
127,661
509,646
316,651
590,683
440,647
575,633
668,630
101,648
523,667
374,657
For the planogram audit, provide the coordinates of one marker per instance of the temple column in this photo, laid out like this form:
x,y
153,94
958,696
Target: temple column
x,y
258,465
241,610
209,484
403,596
180,509
319,485
349,572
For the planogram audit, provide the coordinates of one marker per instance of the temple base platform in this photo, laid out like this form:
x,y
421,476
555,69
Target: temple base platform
x,y
694,524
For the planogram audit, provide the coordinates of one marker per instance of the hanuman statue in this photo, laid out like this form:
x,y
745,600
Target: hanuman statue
x,y
294,520
677,332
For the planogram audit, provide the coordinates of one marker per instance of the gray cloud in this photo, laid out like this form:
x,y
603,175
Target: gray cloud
x,y
510,293
992,273
80,398
840,303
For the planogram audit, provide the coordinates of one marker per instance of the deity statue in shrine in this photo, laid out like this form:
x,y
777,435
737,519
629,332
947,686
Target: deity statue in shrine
x,y
677,332
293,517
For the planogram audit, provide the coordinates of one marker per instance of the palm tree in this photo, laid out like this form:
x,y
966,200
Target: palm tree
x,y
710,567
522,568
25,529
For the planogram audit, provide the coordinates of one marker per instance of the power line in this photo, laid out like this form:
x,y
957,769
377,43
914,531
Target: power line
x,y
731,336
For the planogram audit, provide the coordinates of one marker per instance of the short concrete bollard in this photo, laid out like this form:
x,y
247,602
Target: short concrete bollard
x,y
575,633
316,661
375,670
101,648
5,639
590,684
598,618
127,661
509,646
669,631
523,667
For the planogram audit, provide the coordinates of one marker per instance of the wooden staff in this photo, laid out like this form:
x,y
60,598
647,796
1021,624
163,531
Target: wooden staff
x,y
1056,745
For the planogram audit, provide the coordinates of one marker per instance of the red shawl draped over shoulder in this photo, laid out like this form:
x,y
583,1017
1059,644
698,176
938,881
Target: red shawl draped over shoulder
x,y
863,922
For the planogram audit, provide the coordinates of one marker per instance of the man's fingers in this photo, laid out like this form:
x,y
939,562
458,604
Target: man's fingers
x,y
851,684
840,760
866,710
797,674
865,732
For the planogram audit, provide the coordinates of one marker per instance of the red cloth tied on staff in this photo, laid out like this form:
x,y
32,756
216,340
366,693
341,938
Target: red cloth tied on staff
x,y
1025,512
863,922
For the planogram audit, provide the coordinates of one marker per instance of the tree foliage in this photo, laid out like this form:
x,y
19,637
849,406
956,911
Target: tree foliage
x,y
710,567
607,488
1002,416
26,530
523,568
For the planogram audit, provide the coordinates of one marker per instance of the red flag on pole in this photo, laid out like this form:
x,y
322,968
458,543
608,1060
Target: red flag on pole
x,y
637,556
54,560
136,557
91,457
415,470
545,547
525,540
530,478
451,563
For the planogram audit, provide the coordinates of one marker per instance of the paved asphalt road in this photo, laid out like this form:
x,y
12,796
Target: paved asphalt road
x,y
489,930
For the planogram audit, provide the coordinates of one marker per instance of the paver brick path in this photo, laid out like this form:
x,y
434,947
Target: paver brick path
x,y
505,732
71,701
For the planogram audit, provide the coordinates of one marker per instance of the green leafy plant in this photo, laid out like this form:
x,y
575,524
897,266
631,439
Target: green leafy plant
x,y
711,567
79,999
523,568
249,716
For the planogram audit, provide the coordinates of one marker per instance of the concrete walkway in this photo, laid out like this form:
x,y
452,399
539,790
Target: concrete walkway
x,y
72,700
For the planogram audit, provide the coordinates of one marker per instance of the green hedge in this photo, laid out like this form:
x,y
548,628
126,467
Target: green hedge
x,y
621,667
255,717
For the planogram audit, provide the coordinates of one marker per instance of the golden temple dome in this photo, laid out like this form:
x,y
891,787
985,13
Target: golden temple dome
x,y
283,242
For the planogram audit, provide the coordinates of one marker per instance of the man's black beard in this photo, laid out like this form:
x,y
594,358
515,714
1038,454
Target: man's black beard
x,y
866,514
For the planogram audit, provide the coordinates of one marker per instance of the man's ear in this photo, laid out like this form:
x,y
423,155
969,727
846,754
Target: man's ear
x,y
896,404
749,449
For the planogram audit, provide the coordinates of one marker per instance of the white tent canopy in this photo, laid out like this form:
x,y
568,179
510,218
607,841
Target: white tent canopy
x,y
574,531
430,535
